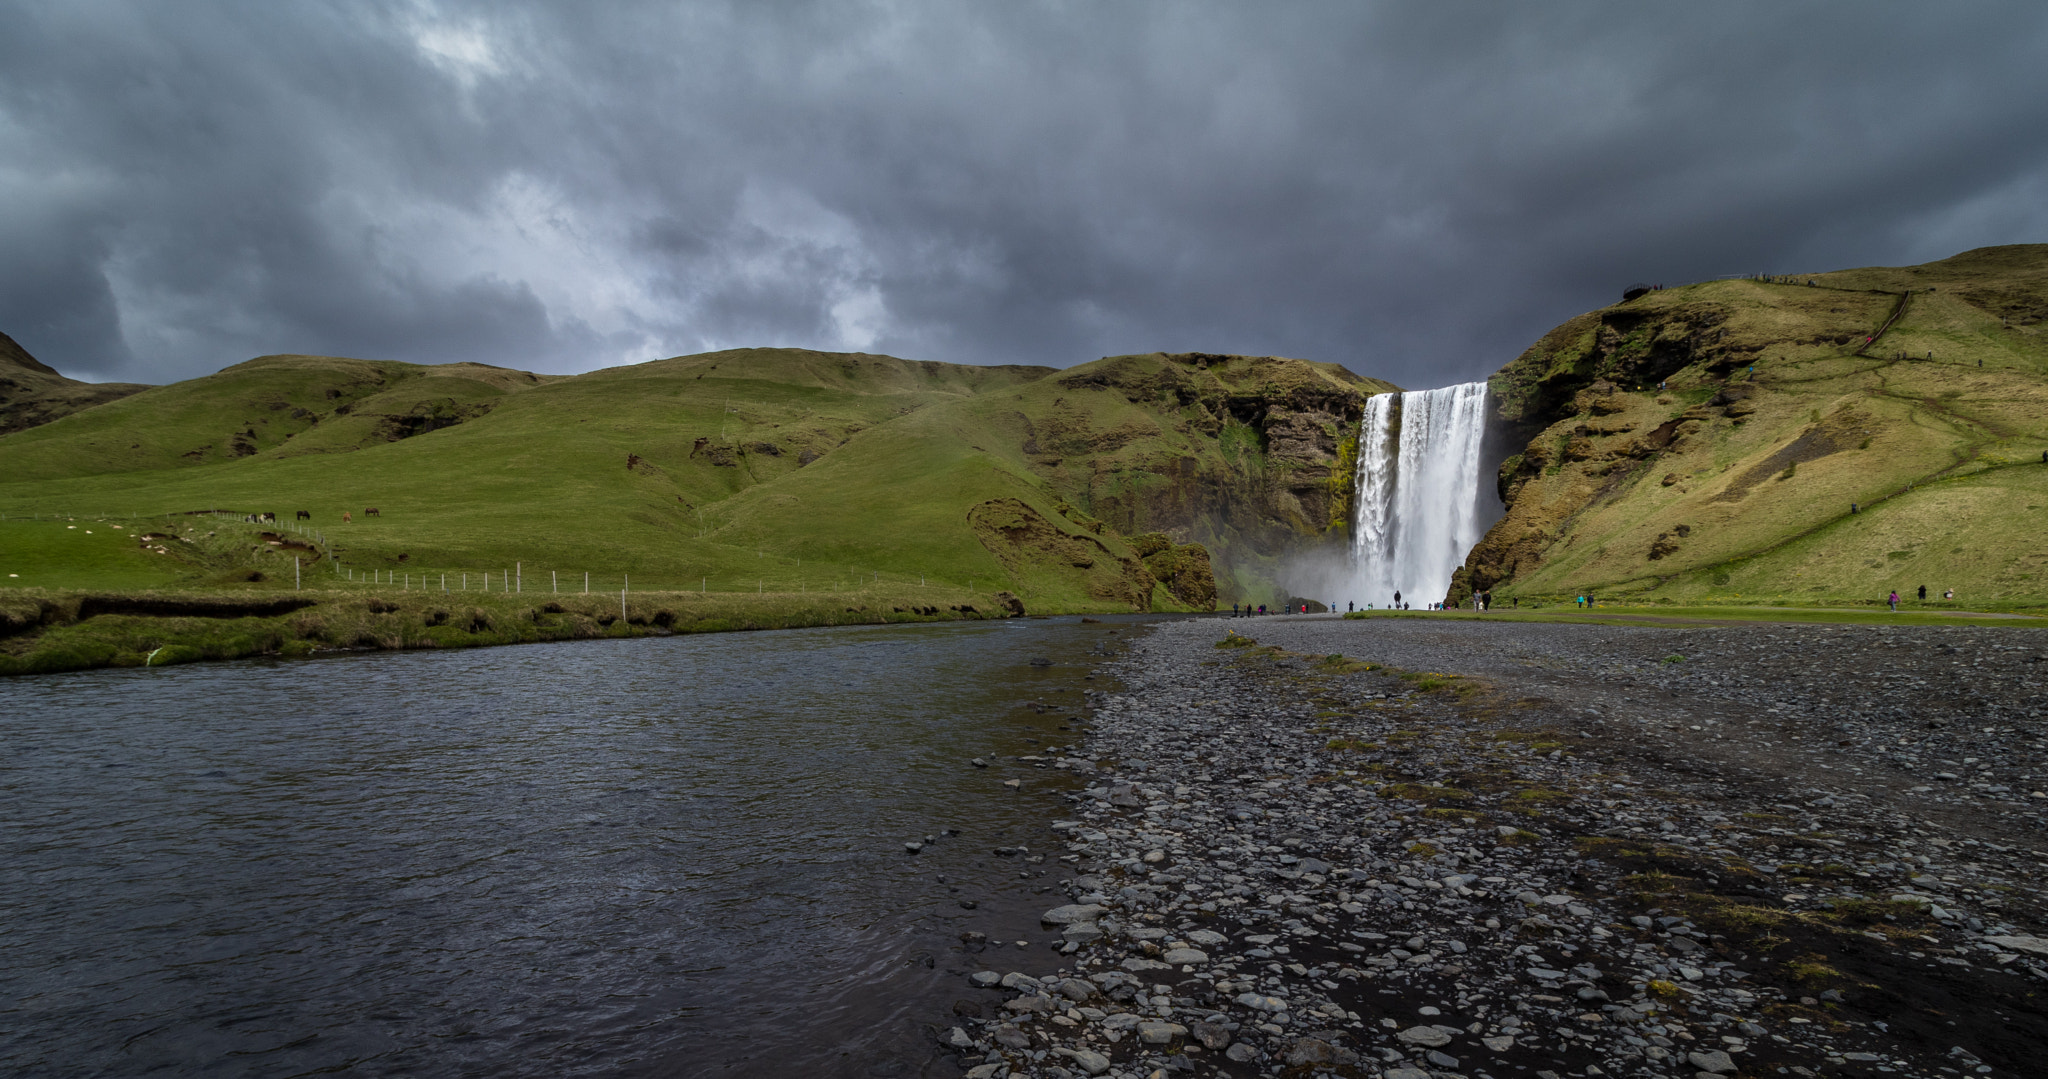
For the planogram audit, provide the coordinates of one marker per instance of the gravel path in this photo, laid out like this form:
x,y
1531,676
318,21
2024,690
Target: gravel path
x,y
1419,848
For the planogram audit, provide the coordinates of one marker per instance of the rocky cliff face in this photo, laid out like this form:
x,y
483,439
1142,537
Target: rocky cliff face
x,y
32,393
1250,457
1671,445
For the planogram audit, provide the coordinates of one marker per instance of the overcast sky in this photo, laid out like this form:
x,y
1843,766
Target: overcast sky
x,y
1415,190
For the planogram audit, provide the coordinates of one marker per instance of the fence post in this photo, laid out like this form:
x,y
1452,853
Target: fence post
x,y
554,581
295,573
521,568
586,582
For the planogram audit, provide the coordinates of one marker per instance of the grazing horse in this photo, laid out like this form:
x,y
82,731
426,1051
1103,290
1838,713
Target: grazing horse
x,y
270,518
370,512
346,517
305,515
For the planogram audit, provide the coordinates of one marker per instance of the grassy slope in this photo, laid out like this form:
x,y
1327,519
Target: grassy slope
x,y
750,470
1944,456
42,631
542,479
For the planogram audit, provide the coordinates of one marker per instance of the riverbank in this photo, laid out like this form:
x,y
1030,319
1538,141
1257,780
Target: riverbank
x,y
1910,614
1413,849
44,632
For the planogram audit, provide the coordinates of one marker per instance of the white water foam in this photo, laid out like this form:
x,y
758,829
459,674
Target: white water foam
x,y
1418,495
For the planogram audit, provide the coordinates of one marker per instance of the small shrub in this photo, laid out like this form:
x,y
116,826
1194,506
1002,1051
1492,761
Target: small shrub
x,y
1811,967
1235,641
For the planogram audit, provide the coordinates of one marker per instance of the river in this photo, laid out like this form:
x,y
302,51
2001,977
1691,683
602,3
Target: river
x,y
680,856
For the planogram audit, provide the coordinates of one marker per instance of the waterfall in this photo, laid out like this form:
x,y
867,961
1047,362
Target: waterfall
x,y
1418,492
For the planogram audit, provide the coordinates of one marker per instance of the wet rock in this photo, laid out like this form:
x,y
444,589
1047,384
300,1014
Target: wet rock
x,y
1431,1037
1160,1033
1261,1002
1088,1060
1074,914
1211,1036
1715,1062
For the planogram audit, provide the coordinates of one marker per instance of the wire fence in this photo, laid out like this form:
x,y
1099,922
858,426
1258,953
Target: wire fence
x,y
321,557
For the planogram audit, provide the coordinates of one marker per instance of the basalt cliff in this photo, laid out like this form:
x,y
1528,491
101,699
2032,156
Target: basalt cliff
x,y
1823,436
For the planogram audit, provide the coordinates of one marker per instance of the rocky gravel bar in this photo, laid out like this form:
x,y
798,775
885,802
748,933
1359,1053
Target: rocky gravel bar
x,y
1418,848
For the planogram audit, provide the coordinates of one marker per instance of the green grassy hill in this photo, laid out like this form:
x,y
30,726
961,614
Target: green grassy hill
x,y
1919,394
1146,482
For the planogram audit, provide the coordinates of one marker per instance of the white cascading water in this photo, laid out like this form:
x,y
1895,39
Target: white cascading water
x,y
1418,495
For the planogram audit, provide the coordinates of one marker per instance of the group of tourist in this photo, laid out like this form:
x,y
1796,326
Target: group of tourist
x,y
1893,599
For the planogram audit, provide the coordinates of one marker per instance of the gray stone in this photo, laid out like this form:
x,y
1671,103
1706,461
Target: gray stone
x,y
958,1039
1212,1035
987,1071
1209,938
1714,1061
1076,990
1160,1033
1135,964
1242,1052
986,979
2033,945
1310,1051
1020,981
1499,1043
1262,1003
1441,1060
1074,914
1088,1060
1404,1073
1425,1036
1034,1003
1185,957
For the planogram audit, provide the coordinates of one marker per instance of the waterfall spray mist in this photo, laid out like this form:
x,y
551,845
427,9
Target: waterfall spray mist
x,y
1418,503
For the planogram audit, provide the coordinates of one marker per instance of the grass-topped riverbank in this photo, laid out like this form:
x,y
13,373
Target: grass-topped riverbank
x,y
45,632
1678,615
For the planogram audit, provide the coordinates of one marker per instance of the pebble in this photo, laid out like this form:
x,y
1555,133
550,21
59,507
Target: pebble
x,y
1271,865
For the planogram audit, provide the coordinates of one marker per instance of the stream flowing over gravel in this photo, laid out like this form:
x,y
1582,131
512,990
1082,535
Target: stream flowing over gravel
x,y
1425,848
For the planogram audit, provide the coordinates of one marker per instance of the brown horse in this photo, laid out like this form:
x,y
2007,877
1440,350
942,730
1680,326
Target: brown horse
x,y
346,517
370,512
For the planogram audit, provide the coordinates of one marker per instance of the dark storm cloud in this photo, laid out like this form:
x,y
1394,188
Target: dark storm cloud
x,y
1415,190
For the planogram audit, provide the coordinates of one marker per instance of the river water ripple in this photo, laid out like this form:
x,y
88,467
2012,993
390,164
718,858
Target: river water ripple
x,y
657,857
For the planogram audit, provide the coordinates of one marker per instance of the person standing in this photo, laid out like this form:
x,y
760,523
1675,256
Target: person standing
x,y
1893,599
1923,593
